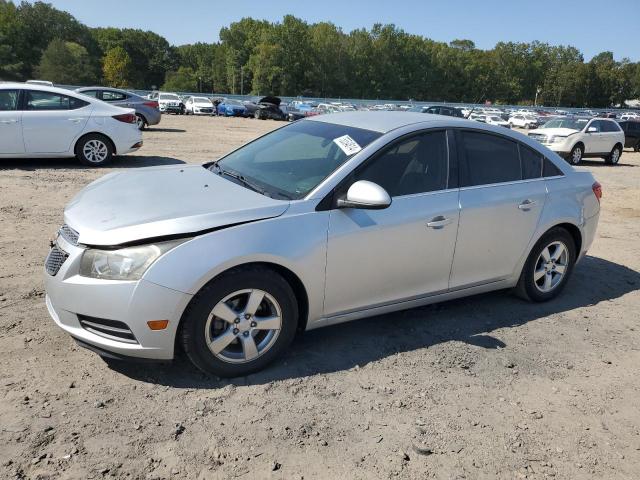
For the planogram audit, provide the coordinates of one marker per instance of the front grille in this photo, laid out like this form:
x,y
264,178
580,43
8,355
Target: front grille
x,y
110,329
54,260
69,234
539,137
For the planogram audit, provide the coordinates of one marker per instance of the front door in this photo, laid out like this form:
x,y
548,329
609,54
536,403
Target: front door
x,y
502,196
377,257
10,123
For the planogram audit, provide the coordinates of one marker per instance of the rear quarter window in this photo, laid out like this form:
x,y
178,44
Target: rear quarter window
x,y
549,169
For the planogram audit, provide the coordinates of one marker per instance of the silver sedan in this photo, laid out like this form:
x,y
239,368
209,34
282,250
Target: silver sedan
x,y
326,220
147,111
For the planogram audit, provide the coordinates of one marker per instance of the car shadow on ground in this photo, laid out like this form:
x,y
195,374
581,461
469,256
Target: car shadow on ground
x,y
169,130
342,347
125,161
597,164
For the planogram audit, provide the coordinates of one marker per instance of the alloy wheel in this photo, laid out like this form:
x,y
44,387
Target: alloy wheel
x,y
576,155
95,151
551,266
615,155
243,326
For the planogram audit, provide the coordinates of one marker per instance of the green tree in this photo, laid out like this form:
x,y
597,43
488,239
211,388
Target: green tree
x,y
66,63
117,68
11,64
182,80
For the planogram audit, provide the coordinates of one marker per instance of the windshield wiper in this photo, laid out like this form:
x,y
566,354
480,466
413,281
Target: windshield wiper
x,y
240,178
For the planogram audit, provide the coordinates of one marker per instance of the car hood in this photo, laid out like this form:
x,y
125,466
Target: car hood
x,y
563,132
126,207
203,104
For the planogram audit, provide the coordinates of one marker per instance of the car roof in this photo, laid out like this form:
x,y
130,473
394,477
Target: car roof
x,y
35,86
383,121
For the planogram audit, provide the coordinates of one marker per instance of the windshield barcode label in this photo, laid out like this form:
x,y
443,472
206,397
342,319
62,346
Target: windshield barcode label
x,y
347,144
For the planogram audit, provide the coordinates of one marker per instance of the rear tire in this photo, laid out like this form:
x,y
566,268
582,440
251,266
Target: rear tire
x,y
543,280
94,150
247,349
614,156
141,122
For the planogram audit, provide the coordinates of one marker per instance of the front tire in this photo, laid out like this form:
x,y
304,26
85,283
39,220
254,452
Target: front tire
x,y
548,267
614,156
575,157
240,322
94,150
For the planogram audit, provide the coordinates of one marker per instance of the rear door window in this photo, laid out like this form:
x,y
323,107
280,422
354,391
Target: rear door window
x,y
47,101
111,96
488,159
531,162
8,100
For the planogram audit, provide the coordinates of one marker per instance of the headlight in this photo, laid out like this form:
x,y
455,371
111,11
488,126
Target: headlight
x,y
556,139
124,264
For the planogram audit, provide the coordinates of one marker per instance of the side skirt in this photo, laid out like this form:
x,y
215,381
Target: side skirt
x,y
411,303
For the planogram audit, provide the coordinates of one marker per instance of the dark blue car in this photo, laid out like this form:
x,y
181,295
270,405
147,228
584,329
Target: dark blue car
x,y
231,108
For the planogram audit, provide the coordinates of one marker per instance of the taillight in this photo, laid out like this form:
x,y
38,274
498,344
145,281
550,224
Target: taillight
x,y
597,190
152,104
126,118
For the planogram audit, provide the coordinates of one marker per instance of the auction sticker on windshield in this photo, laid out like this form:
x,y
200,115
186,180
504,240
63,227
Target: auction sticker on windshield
x,y
347,144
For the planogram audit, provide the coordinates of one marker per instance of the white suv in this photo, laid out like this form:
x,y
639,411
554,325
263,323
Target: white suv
x,y
521,120
578,138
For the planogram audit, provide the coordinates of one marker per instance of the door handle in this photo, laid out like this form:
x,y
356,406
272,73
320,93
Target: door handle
x,y
8,122
439,222
527,205
75,120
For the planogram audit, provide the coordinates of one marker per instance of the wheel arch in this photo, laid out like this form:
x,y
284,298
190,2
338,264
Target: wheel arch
x,y
84,135
581,143
291,278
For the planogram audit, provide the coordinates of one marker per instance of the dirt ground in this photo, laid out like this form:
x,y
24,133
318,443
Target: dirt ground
x,y
486,387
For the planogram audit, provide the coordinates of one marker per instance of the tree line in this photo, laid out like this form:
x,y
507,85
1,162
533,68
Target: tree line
x,y
293,57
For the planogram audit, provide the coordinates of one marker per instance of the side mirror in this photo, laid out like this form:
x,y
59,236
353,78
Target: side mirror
x,y
366,195
592,130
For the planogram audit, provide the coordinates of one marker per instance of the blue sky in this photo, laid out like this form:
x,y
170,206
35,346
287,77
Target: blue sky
x,y
592,26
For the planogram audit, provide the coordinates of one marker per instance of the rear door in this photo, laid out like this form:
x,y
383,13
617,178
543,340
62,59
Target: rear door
x,y
502,194
52,121
595,142
10,123
611,135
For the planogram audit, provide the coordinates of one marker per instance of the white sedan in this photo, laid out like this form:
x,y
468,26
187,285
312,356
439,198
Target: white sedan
x,y
37,121
198,106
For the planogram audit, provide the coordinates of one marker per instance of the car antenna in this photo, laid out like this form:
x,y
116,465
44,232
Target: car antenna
x,y
474,105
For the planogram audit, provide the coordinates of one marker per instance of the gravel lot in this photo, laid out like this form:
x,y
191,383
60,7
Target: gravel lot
x,y
485,387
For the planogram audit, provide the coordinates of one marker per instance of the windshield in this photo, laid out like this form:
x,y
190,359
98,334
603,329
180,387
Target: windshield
x,y
572,123
293,160
201,100
496,119
232,102
168,96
